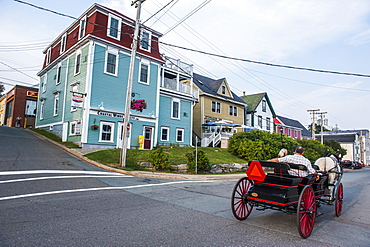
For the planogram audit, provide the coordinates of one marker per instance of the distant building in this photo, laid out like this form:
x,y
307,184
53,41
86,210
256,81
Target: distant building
x,y
356,142
291,127
260,113
2,109
20,107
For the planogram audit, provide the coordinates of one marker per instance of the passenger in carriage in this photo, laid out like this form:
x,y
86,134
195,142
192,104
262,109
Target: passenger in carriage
x,y
298,158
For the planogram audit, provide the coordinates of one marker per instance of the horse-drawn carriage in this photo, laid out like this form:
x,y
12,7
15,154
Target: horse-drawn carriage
x,y
270,185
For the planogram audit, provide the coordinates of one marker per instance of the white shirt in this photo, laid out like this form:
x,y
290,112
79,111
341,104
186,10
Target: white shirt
x,y
299,160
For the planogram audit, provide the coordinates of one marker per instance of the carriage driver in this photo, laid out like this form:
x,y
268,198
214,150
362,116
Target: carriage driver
x,y
299,159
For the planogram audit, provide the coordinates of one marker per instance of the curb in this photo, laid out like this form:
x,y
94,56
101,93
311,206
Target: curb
x,y
140,173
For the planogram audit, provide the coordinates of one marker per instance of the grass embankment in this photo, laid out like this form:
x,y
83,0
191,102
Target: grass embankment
x,y
55,138
176,156
111,157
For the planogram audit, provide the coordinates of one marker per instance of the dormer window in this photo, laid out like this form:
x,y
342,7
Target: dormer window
x,y
145,42
48,56
114,26
63,43
223,90
82,27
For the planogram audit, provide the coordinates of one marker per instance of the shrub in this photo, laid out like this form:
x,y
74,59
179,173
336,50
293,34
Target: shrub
x,y
202,161
159,159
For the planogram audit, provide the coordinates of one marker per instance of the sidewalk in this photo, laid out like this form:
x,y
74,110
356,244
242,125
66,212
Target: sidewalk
x,y
78,153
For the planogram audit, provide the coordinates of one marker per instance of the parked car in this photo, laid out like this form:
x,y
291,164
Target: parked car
x,y
361,164
350,164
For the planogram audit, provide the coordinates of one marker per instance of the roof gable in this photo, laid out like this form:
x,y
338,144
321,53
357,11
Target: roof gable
x,y
214,87
253,101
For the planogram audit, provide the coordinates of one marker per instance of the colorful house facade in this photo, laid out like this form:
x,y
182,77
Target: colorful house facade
x,y
83,86
260,113
291,127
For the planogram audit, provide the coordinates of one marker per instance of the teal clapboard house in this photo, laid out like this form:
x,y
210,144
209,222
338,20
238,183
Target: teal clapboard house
x,y
83,86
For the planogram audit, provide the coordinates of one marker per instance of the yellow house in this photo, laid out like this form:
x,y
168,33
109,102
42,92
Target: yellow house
x,y
217,111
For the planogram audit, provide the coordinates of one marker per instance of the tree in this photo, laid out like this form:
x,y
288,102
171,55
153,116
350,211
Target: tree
x,y
337,148
317,128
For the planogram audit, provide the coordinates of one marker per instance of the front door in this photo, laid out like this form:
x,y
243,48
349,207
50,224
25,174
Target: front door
x,y
148,136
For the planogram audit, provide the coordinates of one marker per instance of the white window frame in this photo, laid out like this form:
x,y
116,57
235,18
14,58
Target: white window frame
x,y
43,83
111,124
56,104
149,40
178,130
113,52
42,109
118,28
74,131
144,62
82,31
78,59
223,90
172,109
63,43
168,134
48,56
59,72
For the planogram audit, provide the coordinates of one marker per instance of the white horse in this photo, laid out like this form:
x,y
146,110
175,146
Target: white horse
x,y
331,166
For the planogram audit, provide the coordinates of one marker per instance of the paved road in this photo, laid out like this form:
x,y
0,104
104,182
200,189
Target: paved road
x,y
50,198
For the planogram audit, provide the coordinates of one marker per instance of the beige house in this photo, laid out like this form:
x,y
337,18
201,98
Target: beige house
x,y
219,112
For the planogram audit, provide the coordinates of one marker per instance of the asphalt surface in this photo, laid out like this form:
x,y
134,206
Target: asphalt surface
x,y
78,153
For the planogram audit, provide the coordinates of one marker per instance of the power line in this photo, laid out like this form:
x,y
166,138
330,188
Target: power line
x,y
18,71
158,11
188,15
264,63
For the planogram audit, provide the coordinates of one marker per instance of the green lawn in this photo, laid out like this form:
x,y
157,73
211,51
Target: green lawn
x,y
111,157
176,156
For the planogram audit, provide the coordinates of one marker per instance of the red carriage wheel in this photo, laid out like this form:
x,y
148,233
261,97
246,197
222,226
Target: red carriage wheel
x,y
239,205
339,200
306,212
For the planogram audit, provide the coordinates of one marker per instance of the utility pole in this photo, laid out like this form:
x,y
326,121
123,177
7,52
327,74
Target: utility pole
x,y
322,124
126,119
313,113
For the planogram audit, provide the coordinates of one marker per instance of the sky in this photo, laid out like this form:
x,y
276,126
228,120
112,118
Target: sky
x,y
330,35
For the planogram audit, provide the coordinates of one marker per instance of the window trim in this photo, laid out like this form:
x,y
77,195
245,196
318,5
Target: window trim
x,y
44,80
82,30
178,110
264,107
216,108
182,135
223,89
77,69
59,72
146,63
42,109
112,52
101,131
268,123
63,43
48,56
259,122
168,133
56,104
149,40
118,27
76,122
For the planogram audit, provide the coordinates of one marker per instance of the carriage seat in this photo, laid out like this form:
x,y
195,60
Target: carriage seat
x,y
278,173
